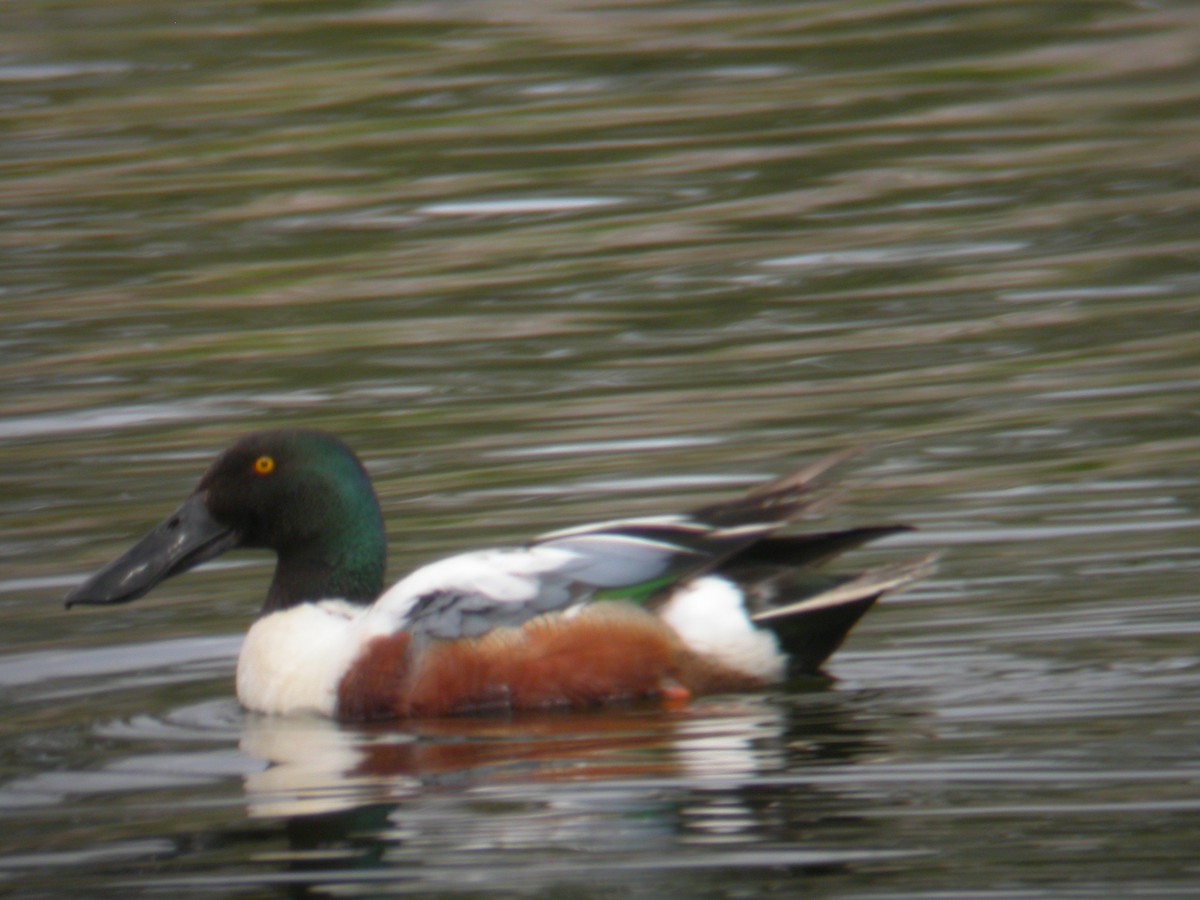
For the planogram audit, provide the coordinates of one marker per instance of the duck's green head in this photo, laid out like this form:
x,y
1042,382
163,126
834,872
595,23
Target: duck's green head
x,y
301,493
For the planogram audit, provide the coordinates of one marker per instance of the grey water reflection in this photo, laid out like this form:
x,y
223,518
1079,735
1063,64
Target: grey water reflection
x,y
712,786
701,791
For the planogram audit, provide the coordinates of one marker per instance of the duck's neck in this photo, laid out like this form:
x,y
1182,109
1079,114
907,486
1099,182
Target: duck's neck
x,y
329,536
344,564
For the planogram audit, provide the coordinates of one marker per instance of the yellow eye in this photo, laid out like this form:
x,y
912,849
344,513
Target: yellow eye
x,y
264,465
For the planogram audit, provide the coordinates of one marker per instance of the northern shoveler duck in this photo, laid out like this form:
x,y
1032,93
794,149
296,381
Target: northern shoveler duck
x,y
663,607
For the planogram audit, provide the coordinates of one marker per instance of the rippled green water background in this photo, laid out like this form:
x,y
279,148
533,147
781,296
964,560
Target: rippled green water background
x,y
549,262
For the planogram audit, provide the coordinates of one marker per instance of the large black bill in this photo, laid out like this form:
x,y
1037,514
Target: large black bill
x,y
187,538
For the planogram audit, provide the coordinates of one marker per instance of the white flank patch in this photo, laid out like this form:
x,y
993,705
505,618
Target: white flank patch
x,y
293,660
710,616
679,522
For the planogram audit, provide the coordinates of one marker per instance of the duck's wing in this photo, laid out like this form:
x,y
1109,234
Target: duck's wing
x,y
640,559
467,596
633,559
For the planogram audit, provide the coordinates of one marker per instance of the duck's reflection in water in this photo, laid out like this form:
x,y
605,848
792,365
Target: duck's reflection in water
x,y
719,774
316,765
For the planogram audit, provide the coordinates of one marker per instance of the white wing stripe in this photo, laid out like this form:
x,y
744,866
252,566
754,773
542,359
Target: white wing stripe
x,y
680,522
597,543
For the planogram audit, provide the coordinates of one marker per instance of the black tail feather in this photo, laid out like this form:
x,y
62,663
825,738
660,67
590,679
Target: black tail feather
x,y
811,614
810,549
812,638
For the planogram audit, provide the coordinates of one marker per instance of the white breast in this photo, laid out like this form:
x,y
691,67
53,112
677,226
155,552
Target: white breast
x,y
293,660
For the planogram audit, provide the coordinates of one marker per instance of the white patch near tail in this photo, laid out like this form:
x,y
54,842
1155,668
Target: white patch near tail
x,y
709,614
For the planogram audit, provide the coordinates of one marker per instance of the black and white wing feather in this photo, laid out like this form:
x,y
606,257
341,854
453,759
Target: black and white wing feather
x,y
469,595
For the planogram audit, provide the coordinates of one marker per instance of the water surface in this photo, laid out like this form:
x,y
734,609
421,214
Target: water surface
x,y
547,263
